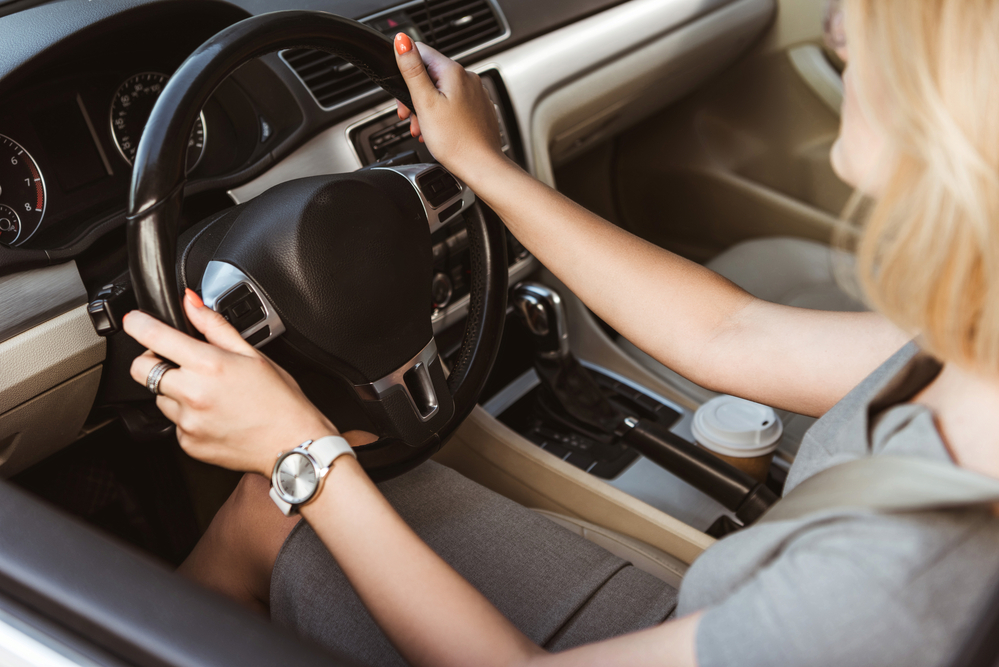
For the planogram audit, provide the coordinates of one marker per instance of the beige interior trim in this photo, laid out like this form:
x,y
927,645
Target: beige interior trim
x,y
486,451
661,29
47,423
810,62
797,21
632,86
45,355
646,558
591,343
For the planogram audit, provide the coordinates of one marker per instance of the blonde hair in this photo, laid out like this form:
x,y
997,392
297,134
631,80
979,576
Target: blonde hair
x,y
928,255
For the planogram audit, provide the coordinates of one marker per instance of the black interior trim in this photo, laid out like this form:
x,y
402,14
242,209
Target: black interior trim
x,y
126,603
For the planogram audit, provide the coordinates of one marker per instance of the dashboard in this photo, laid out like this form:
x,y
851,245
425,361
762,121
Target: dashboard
x,y
69,132
68,136
78,78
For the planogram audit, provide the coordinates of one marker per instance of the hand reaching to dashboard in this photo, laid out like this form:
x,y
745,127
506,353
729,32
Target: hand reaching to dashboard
x,y
233,407
454,115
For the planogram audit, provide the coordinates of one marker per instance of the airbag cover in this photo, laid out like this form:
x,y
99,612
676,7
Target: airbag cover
x,y
347,261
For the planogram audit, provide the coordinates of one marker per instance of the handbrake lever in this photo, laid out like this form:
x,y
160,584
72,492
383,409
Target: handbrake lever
x,y
735,490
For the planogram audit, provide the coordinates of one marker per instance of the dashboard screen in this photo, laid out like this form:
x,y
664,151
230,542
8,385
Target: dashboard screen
x,y
67,139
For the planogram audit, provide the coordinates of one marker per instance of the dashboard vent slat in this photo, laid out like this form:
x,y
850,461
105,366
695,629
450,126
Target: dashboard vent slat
x,y
453,27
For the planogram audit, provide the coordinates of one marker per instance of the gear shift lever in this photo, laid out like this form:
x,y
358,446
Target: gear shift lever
x,y
576,393
573,388
540,309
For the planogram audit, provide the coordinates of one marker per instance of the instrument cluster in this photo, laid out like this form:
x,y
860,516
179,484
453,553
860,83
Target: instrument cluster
x,y
22,193
86,142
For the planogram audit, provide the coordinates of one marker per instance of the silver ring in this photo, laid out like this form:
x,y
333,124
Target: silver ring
x,y
156,374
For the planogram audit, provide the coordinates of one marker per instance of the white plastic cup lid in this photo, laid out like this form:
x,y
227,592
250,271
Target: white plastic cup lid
x,y
736,427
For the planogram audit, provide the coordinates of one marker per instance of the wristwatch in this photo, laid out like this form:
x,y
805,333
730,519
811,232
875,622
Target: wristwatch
x,y
298,473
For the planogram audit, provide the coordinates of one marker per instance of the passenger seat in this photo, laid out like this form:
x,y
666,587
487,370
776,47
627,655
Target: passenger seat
x,y
790,271
784,270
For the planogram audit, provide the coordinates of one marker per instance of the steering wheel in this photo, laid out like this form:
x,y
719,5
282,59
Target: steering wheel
x,y
340,266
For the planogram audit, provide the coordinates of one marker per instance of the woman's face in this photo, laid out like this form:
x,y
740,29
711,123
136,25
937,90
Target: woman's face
x,y
858,156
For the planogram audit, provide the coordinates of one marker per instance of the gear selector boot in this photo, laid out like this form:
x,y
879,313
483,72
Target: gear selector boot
x,y
570,385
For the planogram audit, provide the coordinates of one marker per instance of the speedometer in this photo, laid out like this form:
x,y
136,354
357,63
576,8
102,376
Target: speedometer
x,y
130,110
22,193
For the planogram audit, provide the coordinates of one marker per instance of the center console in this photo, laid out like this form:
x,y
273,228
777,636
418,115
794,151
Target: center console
x,y
384,140
616,430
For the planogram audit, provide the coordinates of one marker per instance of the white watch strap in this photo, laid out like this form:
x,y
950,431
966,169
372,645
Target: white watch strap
x,y
328,449
286,508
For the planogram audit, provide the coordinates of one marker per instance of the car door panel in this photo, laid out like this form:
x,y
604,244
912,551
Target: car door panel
x,y
126,604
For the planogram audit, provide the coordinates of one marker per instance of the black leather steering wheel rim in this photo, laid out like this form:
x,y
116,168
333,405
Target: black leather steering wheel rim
x,y
158,181
159,174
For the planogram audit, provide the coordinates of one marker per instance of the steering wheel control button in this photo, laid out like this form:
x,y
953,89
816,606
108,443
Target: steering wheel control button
x,y
242,308
443,195
438,186
100,315
260,336
229,292
451,211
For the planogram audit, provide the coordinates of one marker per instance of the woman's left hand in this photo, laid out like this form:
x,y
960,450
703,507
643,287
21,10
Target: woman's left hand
x,y
233,407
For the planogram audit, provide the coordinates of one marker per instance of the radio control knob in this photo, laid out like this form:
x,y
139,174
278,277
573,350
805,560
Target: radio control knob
x,y
441,290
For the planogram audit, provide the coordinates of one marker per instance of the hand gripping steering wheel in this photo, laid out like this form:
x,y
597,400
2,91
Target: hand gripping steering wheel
x,y
343,264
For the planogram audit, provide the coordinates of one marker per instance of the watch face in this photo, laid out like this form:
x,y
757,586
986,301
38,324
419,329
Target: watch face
x,y
296,478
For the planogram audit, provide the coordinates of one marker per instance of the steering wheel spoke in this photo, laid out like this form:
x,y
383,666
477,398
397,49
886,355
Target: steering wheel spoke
x,y
412,402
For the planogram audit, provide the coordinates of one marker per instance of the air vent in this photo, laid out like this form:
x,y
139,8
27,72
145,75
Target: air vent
x,y
331,80
454,27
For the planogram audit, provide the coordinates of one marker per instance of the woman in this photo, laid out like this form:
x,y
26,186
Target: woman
x,y
920,137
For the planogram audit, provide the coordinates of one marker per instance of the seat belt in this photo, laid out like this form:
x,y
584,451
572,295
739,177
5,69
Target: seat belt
x,y
886,484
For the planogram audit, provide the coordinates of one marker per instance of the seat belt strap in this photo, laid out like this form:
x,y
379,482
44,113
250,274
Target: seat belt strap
x,y
887,484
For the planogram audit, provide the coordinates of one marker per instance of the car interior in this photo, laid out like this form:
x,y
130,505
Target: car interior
x,y
703,126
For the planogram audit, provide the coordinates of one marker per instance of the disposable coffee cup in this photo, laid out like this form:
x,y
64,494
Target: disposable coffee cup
x,y
743,433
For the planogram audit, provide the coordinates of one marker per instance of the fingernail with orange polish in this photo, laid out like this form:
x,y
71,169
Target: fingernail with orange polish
x,y
195,299
403,44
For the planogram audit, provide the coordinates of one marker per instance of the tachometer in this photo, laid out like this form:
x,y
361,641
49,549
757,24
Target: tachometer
x,y
22,193
130,110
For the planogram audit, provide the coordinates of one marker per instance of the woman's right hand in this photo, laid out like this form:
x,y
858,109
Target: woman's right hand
x,y
454,115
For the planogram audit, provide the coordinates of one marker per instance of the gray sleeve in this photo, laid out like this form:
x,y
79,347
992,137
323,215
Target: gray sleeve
x,y
833,599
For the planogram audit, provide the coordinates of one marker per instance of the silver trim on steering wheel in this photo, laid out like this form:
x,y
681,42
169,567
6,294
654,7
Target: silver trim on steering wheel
x,y
426,404
440,215
220,279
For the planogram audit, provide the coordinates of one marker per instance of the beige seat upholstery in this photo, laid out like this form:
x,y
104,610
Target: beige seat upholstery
x,y
793,272
789,271
645,557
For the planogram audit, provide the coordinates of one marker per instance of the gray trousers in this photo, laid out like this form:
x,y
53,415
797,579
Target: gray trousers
x,y
556,587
